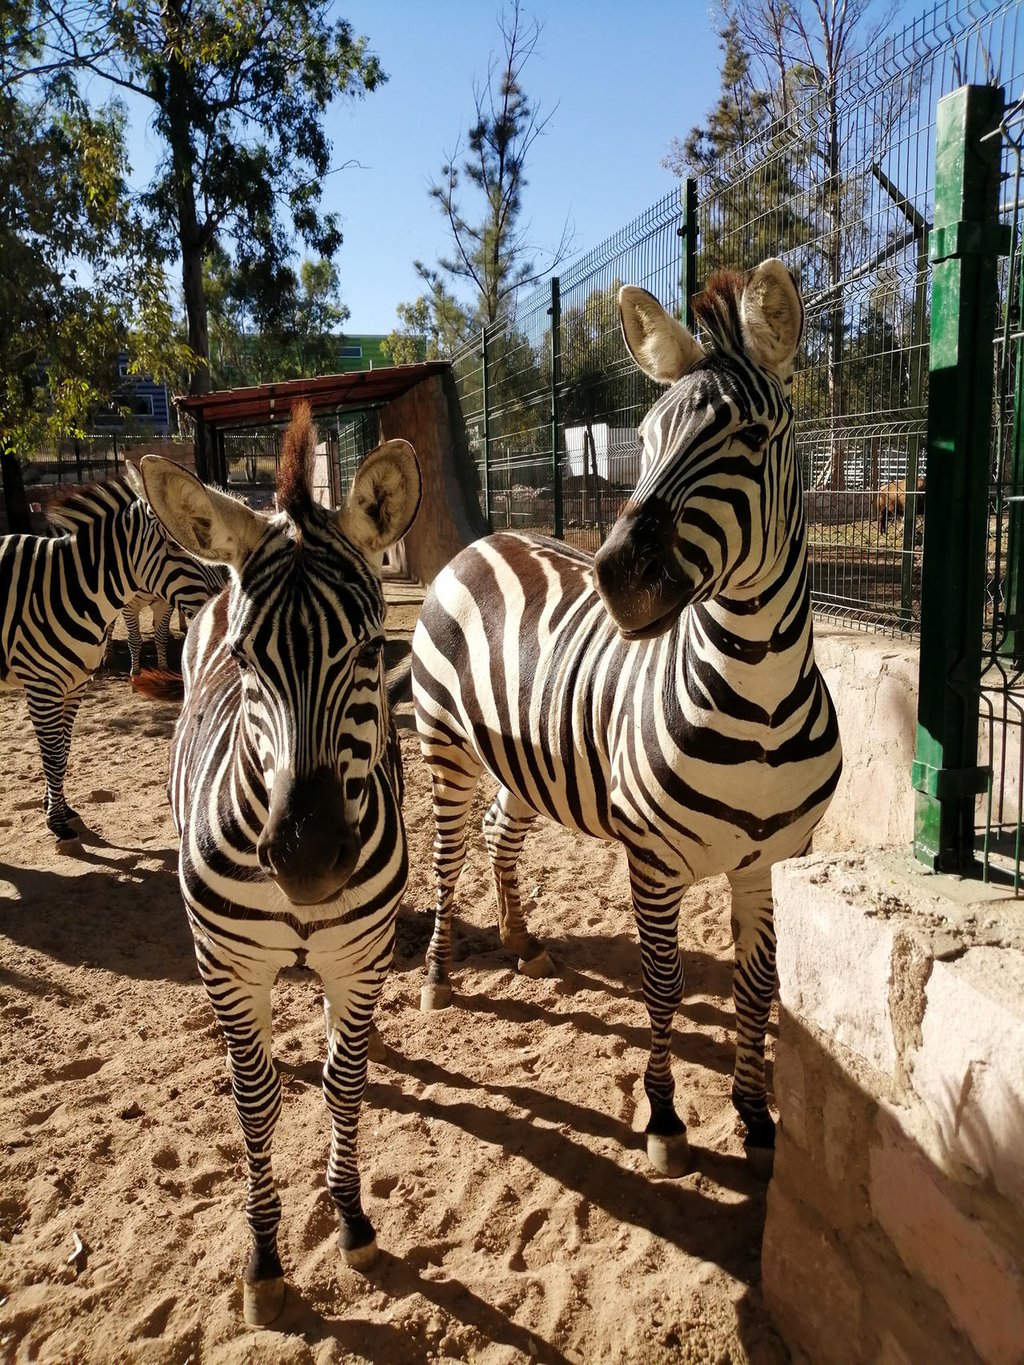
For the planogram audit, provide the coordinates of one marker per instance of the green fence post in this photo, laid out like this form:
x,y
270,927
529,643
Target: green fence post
x,y
688,232
555,312
486,419
963,249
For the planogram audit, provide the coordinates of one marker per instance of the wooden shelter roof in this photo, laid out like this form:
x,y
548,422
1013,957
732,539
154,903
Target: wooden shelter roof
x,y
268,404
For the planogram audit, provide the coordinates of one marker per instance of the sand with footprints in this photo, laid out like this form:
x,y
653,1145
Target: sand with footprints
x,y
501,1142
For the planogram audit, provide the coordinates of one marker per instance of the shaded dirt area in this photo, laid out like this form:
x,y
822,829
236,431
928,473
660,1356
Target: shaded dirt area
x,y
501,1143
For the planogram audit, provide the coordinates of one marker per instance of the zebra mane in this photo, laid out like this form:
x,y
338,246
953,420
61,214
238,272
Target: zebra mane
x,y
89,504
293,476
717,311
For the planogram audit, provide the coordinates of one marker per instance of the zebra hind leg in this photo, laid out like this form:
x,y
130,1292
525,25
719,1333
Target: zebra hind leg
x,y
656,908
130,617
349,1016
243,1012
753,989
453,775
161,631
53,717
506,825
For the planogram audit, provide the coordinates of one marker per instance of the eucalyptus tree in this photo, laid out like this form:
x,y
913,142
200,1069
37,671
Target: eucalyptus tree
x,y
237,92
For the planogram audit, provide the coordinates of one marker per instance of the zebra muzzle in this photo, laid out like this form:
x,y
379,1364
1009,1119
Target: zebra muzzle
x,y
308,845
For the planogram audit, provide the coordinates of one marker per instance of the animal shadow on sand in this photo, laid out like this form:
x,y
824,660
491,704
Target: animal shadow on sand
x,y
121,918
542,1134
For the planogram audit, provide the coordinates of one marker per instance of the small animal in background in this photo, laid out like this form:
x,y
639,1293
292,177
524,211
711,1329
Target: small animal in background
x,y
286,793
892,500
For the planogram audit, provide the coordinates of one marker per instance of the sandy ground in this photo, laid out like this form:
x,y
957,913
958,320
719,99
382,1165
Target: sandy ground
x,y
501,1143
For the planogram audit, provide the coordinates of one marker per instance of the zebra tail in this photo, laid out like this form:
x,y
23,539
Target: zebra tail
x,y
159,686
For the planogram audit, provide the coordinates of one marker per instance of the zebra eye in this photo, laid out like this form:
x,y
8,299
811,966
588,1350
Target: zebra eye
x,y
370,653
753,436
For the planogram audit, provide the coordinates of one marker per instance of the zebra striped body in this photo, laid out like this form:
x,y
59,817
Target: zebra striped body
x,y
286,792
663,695
59,596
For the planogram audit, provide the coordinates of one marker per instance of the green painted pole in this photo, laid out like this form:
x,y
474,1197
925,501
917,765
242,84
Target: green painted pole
x,y
965,243
688,232
485,380
555,312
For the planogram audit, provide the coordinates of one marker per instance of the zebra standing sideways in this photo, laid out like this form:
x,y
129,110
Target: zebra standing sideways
x,y
664,694
59,595
286,793
67,516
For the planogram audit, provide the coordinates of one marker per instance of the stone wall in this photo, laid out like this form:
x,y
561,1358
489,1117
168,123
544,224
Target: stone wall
x,y
895,1225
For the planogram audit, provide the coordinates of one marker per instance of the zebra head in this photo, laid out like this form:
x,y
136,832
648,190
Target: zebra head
x,y
304,626
718,501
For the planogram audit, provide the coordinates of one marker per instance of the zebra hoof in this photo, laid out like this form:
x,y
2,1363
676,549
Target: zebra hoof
x,y
262,1301
541,965
376,1048
435,997
69,843
669,1153
359,1258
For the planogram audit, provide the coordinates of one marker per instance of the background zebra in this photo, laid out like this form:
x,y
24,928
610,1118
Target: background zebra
x,y
285,789
67,516
664,695
59,596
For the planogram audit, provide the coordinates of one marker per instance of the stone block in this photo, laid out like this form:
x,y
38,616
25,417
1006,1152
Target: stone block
x,y
943,1247
834,959
969,1068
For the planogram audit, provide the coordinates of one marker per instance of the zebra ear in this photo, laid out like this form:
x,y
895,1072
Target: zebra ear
x,y
208,524
658,342
384,498
134,479
771,316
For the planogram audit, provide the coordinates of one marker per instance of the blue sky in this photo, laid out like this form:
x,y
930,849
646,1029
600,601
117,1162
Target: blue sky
x,y
625,75
619,78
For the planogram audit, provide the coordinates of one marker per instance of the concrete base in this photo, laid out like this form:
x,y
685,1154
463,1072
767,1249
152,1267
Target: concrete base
x,y
895,1226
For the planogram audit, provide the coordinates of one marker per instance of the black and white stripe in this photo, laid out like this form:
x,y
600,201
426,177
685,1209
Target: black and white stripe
x,y
663,695
59,596
286,794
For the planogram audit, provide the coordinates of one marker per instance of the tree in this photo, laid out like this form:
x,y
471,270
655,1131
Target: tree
x,y
239,91
303,337
490,253
76,283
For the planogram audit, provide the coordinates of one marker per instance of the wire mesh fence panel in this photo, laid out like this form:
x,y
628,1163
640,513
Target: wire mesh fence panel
x,y
841,188
1000,841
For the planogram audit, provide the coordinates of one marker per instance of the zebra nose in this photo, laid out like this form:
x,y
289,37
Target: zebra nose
x,y
307,845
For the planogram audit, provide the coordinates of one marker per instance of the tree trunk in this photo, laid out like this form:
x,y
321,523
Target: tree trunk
x,y
836,335
19,518
191,236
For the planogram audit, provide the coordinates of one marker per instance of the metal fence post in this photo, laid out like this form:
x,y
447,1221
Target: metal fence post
x,y
1012,644
486,421
965,243
555,312
688,232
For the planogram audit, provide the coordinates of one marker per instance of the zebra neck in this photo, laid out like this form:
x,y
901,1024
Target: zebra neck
x,y
93,564
759,644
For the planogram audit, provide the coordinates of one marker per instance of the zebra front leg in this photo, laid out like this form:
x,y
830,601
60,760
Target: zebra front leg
x,y
452,790
348,1009
506,825
243,1012
753,987
656,908
52,713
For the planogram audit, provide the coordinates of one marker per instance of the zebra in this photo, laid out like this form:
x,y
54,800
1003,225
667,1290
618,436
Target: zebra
x,y
59,597
663,694
67,516
285,789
